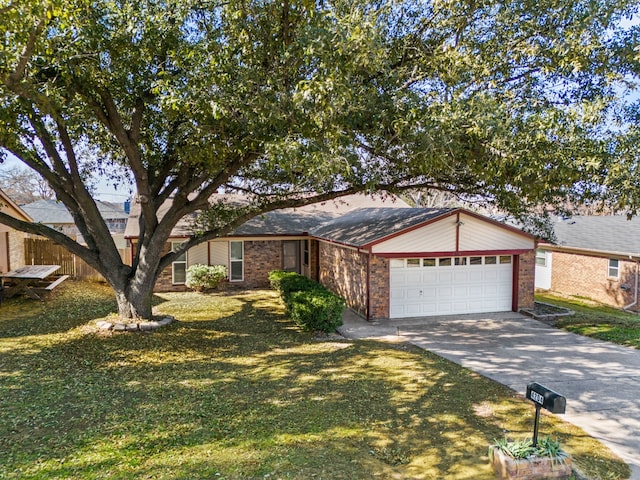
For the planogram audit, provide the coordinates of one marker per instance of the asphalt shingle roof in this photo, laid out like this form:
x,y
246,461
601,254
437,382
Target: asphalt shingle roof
x,y
52,212
366,225
288,221
601,233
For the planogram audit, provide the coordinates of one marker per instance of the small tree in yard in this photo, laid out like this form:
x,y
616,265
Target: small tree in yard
x,y
295,102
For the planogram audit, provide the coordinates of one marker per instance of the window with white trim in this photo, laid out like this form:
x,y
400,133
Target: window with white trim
x,y
614,268
178,266
236,261
541,258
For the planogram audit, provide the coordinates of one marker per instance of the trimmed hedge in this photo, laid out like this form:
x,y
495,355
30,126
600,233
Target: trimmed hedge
x,y
287,282
311,306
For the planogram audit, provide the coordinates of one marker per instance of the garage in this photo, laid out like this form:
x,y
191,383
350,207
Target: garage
x,y
423,287
406,262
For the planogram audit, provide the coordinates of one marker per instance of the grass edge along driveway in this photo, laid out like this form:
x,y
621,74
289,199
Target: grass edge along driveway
x,y
233,390
596,320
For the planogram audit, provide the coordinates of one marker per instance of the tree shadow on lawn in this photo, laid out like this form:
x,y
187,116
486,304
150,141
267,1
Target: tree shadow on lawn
x,y
244,396
69,306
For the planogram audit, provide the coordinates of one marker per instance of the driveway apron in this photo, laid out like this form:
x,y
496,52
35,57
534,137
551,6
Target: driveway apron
x,y
600,380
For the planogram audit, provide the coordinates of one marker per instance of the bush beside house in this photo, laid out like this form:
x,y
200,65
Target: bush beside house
x,y
205,277
311,306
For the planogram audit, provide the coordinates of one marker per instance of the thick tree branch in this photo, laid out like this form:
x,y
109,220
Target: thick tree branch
x,y
17,75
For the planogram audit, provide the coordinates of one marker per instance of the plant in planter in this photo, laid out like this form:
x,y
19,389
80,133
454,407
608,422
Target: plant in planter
x,y
522,460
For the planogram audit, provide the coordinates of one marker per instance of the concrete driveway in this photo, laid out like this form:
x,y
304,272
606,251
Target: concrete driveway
x,y
600,380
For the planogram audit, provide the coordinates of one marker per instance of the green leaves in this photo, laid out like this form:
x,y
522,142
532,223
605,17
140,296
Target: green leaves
x,y
511,102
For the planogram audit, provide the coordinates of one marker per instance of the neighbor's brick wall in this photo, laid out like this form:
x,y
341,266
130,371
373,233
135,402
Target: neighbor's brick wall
x,y
344,272
587,276
526,280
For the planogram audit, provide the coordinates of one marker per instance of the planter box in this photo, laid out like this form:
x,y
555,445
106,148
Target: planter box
x,y
534,468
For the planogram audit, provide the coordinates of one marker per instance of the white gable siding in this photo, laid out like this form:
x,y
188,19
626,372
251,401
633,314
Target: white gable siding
x,y
219,253
436,237
476,234
197,255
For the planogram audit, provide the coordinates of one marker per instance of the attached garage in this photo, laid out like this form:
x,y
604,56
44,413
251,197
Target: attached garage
x,y
450,285
426,262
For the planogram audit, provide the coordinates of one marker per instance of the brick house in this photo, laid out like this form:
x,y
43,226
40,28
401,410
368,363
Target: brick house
x,y
595,257
11,241
386,259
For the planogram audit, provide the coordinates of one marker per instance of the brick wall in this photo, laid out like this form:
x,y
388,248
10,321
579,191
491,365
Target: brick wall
x,y
587,276
344,272
380,288
526,279
260,257
165,280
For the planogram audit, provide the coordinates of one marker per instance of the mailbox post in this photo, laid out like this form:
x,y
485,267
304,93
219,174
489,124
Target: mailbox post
x,y
543,397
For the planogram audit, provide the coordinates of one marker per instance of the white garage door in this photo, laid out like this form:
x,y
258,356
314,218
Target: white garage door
x,y
454,285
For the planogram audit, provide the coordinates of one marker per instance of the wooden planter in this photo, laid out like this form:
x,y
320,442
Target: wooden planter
x,y
509,468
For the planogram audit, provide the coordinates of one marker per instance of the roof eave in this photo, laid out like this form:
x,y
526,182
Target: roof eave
x,y
588,251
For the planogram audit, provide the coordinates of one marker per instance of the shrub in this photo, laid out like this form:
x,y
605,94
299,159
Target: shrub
x,y
311,306
287,282
205,277
316,310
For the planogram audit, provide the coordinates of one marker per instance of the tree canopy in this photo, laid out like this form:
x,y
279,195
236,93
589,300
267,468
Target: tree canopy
x,y
293,102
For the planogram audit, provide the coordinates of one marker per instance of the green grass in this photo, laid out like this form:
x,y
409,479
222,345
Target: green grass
x,y
596,320
233,390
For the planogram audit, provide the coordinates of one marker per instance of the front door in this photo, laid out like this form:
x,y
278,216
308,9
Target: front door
x,y
291,256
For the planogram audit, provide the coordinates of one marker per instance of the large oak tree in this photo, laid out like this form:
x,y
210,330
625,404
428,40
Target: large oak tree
x,y
295,101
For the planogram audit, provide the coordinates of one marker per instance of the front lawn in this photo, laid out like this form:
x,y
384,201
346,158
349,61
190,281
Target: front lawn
x,y
233,390
596,320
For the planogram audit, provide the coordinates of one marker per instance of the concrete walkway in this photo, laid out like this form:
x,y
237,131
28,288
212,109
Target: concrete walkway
x,y
600,380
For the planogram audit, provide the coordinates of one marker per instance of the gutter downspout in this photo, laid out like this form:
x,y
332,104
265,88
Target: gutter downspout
x,y
635,300
368,299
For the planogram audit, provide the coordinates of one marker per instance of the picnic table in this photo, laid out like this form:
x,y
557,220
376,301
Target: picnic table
x,y
31,280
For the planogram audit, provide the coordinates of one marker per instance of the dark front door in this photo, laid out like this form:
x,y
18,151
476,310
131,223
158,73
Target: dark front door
x,y
291,256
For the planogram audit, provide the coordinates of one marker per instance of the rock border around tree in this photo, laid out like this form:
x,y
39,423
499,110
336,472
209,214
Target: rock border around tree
x,y
146,326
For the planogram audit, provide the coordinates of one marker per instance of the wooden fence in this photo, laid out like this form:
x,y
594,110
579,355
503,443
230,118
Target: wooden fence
x,y
42,251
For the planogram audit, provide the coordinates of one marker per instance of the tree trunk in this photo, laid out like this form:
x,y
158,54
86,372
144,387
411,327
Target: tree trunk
x,y
135,300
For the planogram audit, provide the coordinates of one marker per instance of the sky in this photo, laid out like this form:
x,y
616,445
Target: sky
x,y
104,191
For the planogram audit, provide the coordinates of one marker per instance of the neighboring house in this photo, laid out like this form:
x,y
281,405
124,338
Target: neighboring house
x,y
11,241
593,257
55,215
385,259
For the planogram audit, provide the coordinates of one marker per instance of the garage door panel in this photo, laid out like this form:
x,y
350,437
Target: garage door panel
x,y
476,275
476,290
397,294
460,275
413,309
445,293
413,294
413,277
445,277
460,291
429,276
451,289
